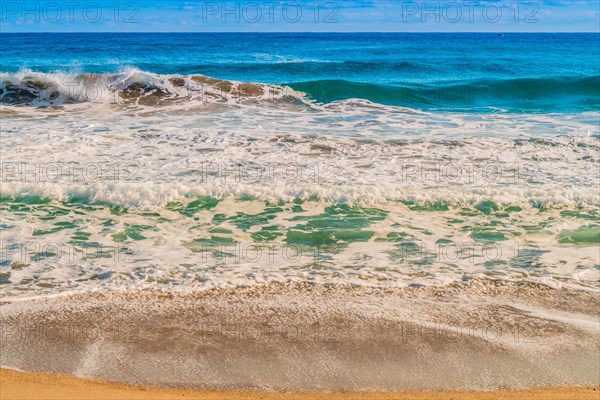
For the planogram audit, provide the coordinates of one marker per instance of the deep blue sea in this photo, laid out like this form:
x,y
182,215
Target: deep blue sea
x,y
516,72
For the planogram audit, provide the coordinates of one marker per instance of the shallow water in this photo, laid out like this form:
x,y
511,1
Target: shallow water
x,y
206,195
125,167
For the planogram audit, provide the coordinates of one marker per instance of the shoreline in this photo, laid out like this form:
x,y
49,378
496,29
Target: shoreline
x,y
17,385
314,338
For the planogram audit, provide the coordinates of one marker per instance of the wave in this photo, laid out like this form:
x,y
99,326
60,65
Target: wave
x,y
133,86
129,86
557,94
152,196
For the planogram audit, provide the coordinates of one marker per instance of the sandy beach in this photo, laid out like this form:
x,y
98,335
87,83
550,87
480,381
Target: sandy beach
x,y
19,385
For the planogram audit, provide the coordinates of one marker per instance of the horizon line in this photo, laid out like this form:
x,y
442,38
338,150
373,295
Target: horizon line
x,y
279,32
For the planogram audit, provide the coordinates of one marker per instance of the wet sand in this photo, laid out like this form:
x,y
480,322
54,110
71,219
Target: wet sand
x,y
478,336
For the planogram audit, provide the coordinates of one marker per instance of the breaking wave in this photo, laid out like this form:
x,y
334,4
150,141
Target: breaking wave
x,y
130,86
134,86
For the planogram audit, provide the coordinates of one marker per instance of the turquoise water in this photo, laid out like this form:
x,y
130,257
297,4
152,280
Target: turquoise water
x,y
478,72
382,159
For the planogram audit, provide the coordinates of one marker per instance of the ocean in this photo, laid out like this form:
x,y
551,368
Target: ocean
x,y
164,164
478,72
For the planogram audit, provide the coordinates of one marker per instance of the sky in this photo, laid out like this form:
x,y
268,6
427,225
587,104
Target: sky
x,y
300,16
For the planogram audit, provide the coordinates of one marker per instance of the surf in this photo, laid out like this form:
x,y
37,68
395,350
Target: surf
x,y
135,86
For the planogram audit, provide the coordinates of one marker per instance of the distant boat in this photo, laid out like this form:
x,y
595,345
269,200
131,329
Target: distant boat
x,y
501,34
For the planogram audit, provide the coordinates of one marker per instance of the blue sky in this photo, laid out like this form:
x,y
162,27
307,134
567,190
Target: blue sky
x,y
300,16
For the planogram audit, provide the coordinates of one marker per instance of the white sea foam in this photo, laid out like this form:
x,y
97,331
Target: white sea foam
x,y
129,85
143,159
267,167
